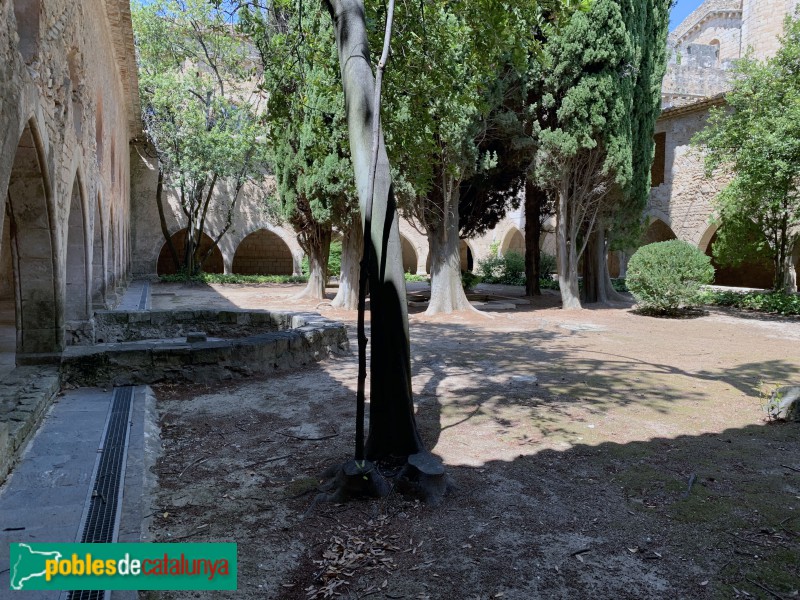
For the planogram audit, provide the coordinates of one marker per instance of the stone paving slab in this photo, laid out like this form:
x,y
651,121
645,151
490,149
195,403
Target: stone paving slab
x,y
25,395
46,493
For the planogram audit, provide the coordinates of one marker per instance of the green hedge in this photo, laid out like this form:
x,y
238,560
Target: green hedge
x,y
766,302
222,278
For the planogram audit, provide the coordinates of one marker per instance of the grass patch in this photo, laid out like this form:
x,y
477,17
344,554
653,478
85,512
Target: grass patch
x,y
230,278
777,569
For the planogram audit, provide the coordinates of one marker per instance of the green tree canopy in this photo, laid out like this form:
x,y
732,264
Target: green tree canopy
x,y
756,137
201,111
306,127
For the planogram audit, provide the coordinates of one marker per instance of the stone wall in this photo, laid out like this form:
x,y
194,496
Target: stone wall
x,y
114,326
255,343
68,108
684,84
250,215
683,201
762,24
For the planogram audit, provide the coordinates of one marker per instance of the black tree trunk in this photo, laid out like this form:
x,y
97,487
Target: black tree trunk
x,y
534,198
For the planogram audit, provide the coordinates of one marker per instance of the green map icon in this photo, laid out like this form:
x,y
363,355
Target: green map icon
x,y
27,564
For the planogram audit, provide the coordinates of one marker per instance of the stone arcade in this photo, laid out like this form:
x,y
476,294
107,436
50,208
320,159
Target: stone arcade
x,y
68,110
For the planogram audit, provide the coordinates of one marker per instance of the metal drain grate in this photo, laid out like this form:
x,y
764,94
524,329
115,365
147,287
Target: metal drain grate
x,y
143,298
101,519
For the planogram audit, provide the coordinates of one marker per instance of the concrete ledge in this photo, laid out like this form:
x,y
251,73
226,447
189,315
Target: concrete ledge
x,y
25,395
282,340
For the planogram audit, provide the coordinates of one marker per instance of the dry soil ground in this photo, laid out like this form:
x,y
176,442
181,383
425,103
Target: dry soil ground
x,y
572,438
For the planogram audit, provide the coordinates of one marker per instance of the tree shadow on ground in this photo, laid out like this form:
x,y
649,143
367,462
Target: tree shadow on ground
x,y
463,372
545,505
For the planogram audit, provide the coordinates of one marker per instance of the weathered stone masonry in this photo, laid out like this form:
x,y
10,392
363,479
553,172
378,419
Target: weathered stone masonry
x,y
68,109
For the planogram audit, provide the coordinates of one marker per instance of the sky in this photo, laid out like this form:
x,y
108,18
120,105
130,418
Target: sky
x,y
681,10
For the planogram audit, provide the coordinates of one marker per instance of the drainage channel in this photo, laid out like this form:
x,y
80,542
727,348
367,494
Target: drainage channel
x,y
143,298
101,520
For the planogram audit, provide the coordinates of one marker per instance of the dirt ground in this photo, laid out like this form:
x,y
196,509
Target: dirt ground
x,y
596,454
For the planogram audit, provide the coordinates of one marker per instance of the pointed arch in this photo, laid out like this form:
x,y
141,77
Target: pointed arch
x,y
750,273
467,256
99,266
657,231
76,271
513,241
38,315
705,240
214,263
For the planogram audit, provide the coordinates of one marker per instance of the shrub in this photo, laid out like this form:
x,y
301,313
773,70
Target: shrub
x,y
469,280
666,276
548,283
767,302
547,265
491,269
513,269
618,284
508,269
335,259
417,278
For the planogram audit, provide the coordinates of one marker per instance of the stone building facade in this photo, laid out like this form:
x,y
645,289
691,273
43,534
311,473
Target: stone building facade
x,y
702,51
68,109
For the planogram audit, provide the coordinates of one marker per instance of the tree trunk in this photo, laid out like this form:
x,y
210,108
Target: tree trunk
x,y
352,247
611,294
447,292
534,196
789,270
593,291
392,427
624,257
318,246
189,252
567,258
597,287
163,220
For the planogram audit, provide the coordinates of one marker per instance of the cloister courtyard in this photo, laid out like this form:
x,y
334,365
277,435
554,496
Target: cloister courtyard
x,y
599,453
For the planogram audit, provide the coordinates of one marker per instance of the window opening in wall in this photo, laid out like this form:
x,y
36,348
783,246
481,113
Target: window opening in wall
x,y
27,14
659,160
715,44
76,85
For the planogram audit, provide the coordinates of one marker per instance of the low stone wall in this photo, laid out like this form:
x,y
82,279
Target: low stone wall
x,y
25,395
256,342
113,326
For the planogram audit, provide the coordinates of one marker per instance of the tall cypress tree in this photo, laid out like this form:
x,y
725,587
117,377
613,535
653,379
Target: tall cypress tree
x,y
602,87
308,133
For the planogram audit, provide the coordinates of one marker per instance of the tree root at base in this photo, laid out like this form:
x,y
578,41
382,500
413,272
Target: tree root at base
x,y
422,476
